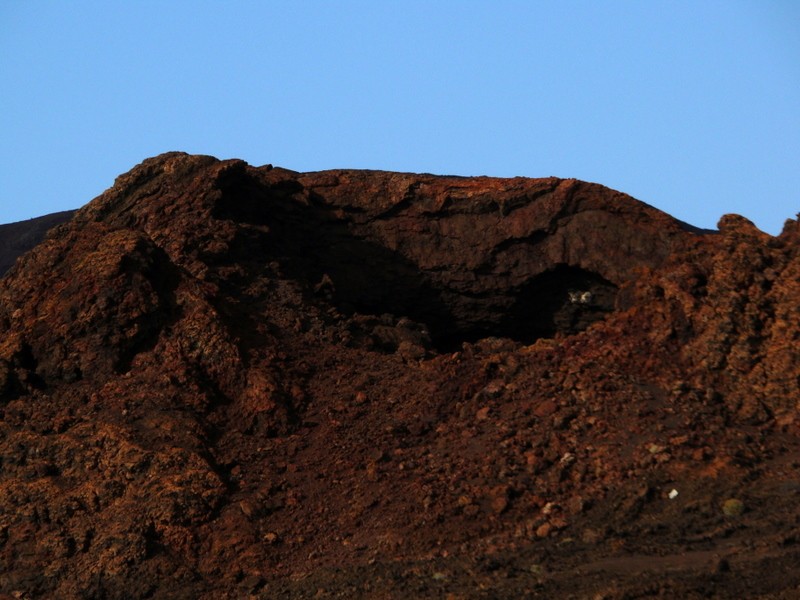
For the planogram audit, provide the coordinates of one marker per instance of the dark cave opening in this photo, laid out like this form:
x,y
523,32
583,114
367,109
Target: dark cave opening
x,y
564,299
342,265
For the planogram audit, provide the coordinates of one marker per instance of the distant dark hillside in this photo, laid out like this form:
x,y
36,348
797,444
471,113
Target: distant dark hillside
x,y
18,238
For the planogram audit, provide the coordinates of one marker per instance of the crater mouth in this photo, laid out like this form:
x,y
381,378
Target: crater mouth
x,y
345,264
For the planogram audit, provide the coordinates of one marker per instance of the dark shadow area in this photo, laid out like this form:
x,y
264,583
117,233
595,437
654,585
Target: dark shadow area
x,y
317,248
564,299
320,249
155,266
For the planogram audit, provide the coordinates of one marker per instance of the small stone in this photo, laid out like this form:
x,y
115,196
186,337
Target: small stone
x,y
536,569
471,510
253,583
545,408
576,504
378,455
567,459
543,530
732,507
499,504
494,389
271,537
247,508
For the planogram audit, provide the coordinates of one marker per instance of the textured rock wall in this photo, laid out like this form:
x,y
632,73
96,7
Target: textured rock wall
x,y
217,377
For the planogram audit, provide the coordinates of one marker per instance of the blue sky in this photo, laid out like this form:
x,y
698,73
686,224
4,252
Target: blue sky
x,y
693,107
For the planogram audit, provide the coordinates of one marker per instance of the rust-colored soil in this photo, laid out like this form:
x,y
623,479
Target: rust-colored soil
x,y
221,381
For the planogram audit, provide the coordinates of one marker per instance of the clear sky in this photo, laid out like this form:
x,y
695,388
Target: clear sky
x,y
691,106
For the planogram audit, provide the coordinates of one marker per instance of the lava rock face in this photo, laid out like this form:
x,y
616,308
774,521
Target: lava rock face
x,y
222,381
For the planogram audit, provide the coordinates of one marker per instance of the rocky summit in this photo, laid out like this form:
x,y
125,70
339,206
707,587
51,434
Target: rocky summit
x,y
225,381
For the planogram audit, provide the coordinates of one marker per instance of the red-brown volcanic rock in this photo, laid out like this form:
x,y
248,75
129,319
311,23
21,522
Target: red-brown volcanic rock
x,y
221,381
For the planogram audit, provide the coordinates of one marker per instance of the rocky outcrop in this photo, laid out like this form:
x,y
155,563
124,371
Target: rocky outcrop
x,y
219,380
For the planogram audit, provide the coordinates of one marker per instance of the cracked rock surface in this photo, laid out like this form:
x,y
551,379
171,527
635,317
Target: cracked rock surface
x,y
225,381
